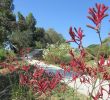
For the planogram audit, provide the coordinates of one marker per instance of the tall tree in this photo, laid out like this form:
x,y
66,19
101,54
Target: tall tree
x,y
39,37
39,34
31,22
7,19
22,26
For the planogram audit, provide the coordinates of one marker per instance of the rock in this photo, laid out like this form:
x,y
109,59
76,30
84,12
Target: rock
x,y
36,53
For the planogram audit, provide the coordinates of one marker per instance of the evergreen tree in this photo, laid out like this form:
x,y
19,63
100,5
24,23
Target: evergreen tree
x,y
31,22
22,26
7,19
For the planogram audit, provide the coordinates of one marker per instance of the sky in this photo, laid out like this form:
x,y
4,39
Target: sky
x,y
61,14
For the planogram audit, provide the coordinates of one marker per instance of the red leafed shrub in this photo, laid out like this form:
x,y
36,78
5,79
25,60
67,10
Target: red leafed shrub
x,y
39,80
99,71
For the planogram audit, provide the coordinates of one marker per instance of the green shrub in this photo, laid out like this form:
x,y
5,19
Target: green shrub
x,y
2,54
38,44
11,53
57,53
94,48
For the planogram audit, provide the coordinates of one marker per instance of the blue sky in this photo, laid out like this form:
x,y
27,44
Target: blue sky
x,y
61,14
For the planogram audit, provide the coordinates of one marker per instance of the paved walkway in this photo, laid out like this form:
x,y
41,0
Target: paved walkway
x,y
83,88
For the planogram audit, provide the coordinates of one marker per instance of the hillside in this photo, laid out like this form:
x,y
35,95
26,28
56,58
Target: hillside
x,y
105,49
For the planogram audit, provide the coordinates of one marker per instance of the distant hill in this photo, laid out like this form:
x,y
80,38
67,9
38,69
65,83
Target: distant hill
x,y
105,49
106,41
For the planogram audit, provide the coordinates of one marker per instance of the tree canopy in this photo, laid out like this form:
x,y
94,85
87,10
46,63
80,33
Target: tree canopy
x,y
7,19
23,31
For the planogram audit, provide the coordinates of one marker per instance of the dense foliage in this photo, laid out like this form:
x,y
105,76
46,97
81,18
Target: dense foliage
x,y
105,48
22,30
57,53
7,19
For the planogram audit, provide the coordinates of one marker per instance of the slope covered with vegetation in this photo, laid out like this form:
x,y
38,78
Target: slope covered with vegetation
x,y
105,48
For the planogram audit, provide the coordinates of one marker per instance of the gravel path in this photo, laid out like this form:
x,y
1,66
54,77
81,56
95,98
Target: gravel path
x,y
83,88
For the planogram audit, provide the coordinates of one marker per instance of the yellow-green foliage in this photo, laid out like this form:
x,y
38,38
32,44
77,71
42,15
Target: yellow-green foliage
x,y
4,54
104,48
57,53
